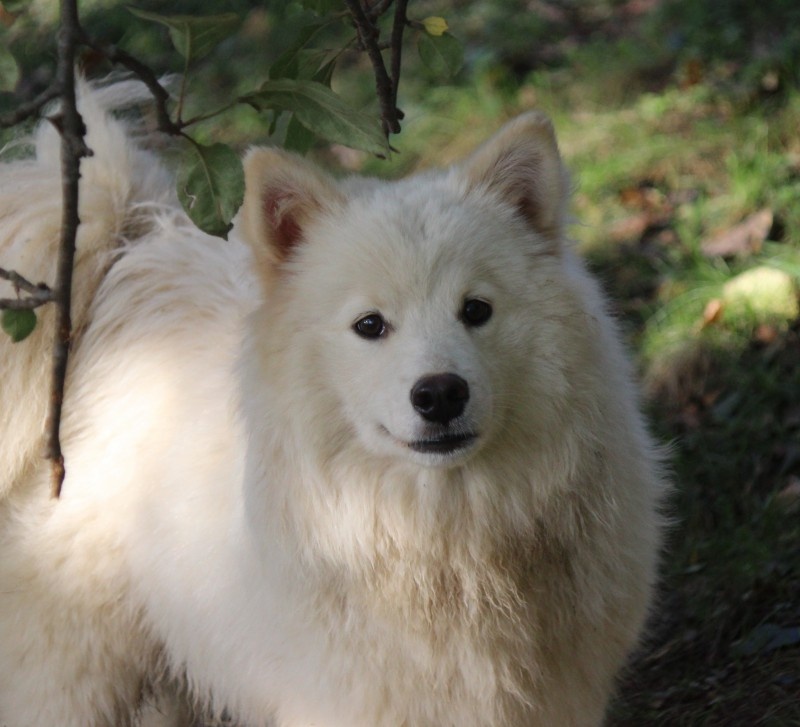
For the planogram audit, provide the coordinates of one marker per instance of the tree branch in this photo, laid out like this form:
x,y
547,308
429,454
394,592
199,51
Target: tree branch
x,y
368,37
73,149
398,27
30,109
38,293
71,128
21,283
145,75
377,9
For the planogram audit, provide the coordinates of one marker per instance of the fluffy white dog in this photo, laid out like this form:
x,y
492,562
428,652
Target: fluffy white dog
x,y
374,461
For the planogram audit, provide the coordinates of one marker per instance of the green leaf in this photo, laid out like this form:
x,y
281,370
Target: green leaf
x,y
305,65
18,324
443,55
298,137
211,186
194,36
287,64
322,7
324,74
9,70
320,110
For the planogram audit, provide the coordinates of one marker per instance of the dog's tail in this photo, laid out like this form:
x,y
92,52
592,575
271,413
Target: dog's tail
x,y
120,185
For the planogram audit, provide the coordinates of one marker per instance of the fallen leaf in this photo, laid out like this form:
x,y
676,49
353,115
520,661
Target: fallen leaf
x,y
770,81
631,228
633,196
765,333
692,73
745,238
712,312
763,291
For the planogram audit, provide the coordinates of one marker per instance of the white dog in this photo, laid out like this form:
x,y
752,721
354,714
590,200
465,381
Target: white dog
x,y
374,461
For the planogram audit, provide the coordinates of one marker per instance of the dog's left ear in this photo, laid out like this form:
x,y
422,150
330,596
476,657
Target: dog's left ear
x,y
284,194
521,164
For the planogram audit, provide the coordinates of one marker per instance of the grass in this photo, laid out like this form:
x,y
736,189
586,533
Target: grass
x,y
681,165
733,567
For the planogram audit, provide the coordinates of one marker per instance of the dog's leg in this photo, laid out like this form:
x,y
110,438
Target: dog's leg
x,y
60,672
72,650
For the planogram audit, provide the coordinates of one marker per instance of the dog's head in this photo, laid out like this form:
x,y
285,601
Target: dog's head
x,y
406,311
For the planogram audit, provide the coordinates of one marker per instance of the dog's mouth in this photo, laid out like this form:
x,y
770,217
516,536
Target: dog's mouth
x,y
446,444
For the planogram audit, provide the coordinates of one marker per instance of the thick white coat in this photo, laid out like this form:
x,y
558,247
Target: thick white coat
x,y
242,512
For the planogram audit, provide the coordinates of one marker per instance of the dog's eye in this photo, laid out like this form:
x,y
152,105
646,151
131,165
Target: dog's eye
x,y
370,326
476,312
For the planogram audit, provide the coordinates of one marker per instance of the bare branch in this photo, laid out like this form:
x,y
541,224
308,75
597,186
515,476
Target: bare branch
x,y
398,27
21,283
73,149
71,128
30,109
37,293
377,9
145,74
368,37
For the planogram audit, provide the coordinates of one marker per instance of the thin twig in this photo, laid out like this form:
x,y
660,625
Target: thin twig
x,y
398,27
368,37
376,10
30,109
182,93
37,294
146,75
21,283
73,149
210,115
24,303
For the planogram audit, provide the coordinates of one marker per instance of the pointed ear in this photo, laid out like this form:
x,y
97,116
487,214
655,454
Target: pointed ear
x,y
284,193
522,166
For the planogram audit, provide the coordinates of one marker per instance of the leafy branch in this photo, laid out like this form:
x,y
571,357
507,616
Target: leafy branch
x,y
368,37
18,315
210,179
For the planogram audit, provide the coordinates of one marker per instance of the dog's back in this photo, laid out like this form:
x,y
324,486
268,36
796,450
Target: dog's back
x,y
119,183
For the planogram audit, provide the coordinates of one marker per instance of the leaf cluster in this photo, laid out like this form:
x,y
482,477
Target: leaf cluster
x,y
211,184
294,95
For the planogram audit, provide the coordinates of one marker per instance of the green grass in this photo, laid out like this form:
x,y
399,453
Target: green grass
x,y
726,393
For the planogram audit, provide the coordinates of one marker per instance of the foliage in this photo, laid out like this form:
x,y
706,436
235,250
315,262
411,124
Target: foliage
x,y
293,97
18,324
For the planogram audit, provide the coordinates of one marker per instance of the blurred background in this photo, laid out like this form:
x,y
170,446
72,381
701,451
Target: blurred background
x,y
679,120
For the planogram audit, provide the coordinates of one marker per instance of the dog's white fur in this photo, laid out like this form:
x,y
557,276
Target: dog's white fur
x,y
242,509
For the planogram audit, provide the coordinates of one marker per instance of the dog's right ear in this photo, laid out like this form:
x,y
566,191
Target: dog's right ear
x,y
283,195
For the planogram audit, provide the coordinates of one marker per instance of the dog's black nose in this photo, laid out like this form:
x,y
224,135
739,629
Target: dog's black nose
x,y
440,397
